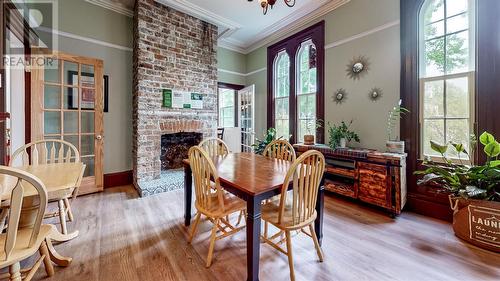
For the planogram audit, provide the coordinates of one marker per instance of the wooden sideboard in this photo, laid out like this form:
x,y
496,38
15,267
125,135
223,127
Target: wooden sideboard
x,y
371,176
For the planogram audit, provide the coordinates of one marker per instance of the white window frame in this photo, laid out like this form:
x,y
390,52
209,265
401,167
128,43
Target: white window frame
x,y
470,75
300,137
276,80
220,119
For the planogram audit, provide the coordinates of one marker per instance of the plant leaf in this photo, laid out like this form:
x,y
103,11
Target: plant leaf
x,y
486,138
494,163
441,149
473,191
428,178
492,149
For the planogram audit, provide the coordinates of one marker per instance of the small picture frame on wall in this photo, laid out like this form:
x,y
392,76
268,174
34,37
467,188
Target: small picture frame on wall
x,y
88,96
106,93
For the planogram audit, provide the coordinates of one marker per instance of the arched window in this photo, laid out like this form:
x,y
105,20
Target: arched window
x,y
282,94
446,67
306,90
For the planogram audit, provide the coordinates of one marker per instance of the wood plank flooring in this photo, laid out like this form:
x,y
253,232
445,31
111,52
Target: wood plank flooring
x,y
123,237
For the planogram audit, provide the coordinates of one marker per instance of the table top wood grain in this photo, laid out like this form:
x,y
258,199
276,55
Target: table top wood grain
x,y
56,177
251,173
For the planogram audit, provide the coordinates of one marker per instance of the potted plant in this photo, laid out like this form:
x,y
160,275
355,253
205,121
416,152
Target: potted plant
x,y
260,144
340,135
393,143
475,191
311,127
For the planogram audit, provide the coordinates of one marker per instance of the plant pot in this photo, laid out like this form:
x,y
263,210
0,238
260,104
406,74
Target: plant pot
x,y
308,139
477,222
395,147
343,143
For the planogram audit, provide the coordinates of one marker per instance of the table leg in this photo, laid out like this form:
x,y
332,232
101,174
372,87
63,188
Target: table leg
x,y
253,238
188,194
320,206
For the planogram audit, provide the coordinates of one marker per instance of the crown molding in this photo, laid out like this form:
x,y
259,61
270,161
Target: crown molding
x,y
206,15
277,31
232,47
112,6
294,21
291,23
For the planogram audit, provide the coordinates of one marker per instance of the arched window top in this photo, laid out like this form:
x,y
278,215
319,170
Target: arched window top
x,y
282,73
446,37
306,68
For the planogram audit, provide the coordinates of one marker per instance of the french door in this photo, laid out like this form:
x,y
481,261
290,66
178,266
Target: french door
x,y
246,108
67,104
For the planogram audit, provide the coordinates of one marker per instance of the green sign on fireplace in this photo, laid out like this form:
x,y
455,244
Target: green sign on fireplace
x,y
167,98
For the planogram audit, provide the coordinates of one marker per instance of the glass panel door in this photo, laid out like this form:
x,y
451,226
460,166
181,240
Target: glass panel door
x,y
71,109
246,103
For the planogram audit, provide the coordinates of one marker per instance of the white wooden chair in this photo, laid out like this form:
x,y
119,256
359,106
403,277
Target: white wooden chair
x,y
49,152
214,147
21,242
299,212
211,201
280,149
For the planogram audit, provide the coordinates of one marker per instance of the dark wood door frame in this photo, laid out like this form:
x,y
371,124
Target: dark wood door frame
x,y
236,88
291,44
431,200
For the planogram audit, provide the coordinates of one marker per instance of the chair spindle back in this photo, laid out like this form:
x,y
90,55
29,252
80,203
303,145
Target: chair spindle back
x,y
280,149
214,147
306,173
205,177
46,152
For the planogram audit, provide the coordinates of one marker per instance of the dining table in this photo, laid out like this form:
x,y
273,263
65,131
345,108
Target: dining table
x,y
60,179
253,178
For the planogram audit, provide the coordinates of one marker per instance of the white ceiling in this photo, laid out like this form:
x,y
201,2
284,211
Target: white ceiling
x,y
242,25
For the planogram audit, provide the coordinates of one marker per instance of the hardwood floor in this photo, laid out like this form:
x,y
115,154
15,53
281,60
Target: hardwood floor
x,y
123,237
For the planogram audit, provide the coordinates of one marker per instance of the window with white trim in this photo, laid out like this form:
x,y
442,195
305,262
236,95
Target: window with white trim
x,y
446,67
306,90
282,94
226,107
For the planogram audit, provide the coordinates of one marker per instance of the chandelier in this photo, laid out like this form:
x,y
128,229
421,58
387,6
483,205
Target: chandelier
x,y
266,3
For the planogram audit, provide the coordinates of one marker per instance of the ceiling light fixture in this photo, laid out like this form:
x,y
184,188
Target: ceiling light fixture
x,y
266,3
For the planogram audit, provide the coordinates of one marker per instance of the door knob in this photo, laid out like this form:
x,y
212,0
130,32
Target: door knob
x,y
98,137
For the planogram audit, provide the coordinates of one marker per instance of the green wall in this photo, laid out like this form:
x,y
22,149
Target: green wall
x,y
231,61
380,47
91,29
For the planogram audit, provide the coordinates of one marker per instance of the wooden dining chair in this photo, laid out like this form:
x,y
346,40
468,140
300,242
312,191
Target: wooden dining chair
x,y
22,240
214,147
299,213
211,201
280,149
50,152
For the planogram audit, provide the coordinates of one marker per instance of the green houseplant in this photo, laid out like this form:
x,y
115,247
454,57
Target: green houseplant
x,y
340,135
260,144
393,143
474,190
311,127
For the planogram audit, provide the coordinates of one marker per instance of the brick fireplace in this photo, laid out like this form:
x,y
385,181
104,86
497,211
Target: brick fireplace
x,y
174,51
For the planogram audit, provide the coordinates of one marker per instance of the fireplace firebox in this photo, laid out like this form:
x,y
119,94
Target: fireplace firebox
x,y
175,147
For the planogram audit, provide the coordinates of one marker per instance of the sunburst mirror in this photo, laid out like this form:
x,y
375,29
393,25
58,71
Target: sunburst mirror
x,y
339,96
358,67
375,94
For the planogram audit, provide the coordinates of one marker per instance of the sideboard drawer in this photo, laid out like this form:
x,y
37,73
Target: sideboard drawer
x,y
374,186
